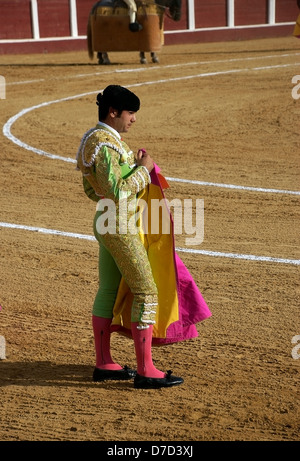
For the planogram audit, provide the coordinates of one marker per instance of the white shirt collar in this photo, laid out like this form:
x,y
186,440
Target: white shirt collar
x,y
116,133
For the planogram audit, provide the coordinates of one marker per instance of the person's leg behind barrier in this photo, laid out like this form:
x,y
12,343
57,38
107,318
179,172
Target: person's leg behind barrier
x,y
134,26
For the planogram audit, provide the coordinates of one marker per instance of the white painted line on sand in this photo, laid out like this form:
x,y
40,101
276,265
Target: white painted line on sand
x,y
218,254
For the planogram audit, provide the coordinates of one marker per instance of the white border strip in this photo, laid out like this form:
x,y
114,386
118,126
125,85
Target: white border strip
x,y
73,18
207,29
218,254
46,231
191,15
35,20
271,12
42,39
230,13
232,186
221,254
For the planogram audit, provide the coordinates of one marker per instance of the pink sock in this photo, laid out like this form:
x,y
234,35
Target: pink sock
x,y
143,345
101,327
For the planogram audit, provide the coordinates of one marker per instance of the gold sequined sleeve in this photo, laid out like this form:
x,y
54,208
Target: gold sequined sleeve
x,y
108,167
108,173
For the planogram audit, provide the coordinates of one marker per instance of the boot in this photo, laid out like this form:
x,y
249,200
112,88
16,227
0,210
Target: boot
x,y
148,376
106,368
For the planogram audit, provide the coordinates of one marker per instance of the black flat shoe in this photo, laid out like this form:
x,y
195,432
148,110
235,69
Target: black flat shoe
x,y
118,375
142,382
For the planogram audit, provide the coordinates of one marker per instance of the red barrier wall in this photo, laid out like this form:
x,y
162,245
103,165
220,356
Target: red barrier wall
x,y
257,14
15,19
210,14
54,18
83,10
285,10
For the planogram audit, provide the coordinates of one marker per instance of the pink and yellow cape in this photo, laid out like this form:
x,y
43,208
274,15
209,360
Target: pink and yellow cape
x,y
180,304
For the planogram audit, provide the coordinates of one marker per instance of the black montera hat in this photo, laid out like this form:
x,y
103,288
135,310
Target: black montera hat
x,y
119,98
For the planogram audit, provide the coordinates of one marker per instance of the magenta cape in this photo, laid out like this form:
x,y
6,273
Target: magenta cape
x,y
181,304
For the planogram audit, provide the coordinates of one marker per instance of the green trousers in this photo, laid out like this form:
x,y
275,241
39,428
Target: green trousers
x,y
124,255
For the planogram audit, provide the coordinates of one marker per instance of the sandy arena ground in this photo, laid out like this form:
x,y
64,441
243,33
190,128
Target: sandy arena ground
x,y
220,114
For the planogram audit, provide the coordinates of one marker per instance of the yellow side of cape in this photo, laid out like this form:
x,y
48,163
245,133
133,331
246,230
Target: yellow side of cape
x,y
297,28
160,248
